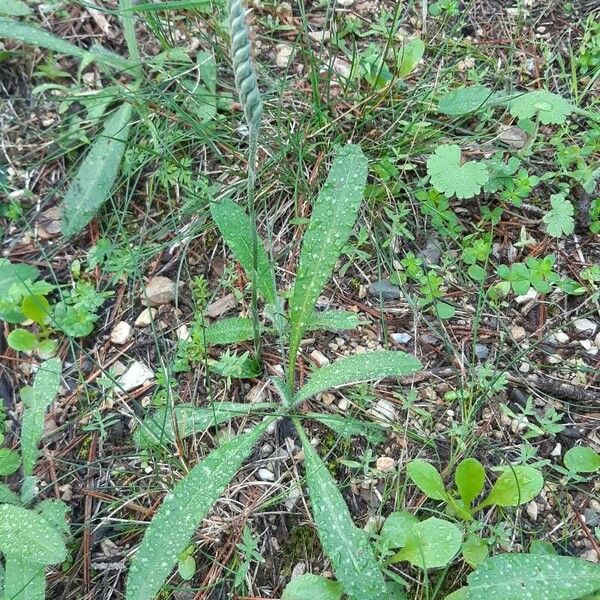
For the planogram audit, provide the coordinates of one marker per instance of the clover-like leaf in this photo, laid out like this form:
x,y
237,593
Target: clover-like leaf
x,y
452,178
551,109
559,219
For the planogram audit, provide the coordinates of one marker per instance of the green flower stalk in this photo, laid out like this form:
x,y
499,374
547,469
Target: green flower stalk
x,y
249,94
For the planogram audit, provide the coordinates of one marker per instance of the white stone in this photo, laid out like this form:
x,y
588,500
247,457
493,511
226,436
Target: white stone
x,y
160,290
344,404
327,398
319,358
532,511
555,359
284,53
401,338
590,555
556,451
530,295
384,410
585,326
265,475
385,464
121,334
183,333
561,337
524,367
145,317
518,333
136,375
597,340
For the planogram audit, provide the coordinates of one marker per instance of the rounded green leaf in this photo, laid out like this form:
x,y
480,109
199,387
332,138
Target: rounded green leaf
x,y
396,528
312,587
517,485
21,340
35,307
431,544
474,550
582,460
28,536
470,479
186,567
9,461
426,477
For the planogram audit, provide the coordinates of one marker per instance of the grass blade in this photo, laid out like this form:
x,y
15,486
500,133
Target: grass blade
x,y
188,419
95,178
24,580
45,388
236,228
34,36
333,216
180,514
346,546
359,368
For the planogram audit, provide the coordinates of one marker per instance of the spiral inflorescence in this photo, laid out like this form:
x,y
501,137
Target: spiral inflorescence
x,y
245,75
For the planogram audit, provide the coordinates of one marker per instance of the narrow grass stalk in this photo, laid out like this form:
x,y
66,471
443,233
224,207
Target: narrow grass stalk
x,y
249,94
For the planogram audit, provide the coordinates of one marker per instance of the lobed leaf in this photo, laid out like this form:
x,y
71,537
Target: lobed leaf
x,y
187,419
93,182
236,229
549,108
559,219
45,389
181,512
334,213
345,545
358,368
27,536
520,576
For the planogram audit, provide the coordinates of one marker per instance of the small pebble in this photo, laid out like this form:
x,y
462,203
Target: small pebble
x,y
136,375
160,290
518,333
556,451
385,464
524,367
385,290
555,359
145,317
384,410
320,359
121,334
344,404
561,337
532,511
590,555
265,475
597,340
482,351
401,338
530,295
585,326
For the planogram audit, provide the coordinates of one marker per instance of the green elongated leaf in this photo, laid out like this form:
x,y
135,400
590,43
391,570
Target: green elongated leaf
x,y
348,427
516,485
460,594
520,576
26,535
179,515
55,513
332,320
358,368
345,545
7,496
14,8
34,36
283,390
96,176
334,213
410,55
188,419
431,544
470,479
236,229
45,388
465,100
426,477
228,331
396,528
312,587
23,580
582,460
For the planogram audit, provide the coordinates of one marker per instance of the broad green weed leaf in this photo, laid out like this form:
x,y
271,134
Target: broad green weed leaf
x,y
348,427
551,109
228,331
181,512
474,550
34,36
21,340
188,419
358,368
312,587
332,320
334,213
93,182
26,535
55,513
411,53
523,576
345,545
582,460
460,594
24,580
431,544
516,485
236,229
426,477
45,388
542,547
452,178
9,461
396,528
559,219
35,307
465,100
14,8
470,479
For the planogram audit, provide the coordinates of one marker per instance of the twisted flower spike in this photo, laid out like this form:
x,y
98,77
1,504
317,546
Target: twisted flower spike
x,y
245,75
